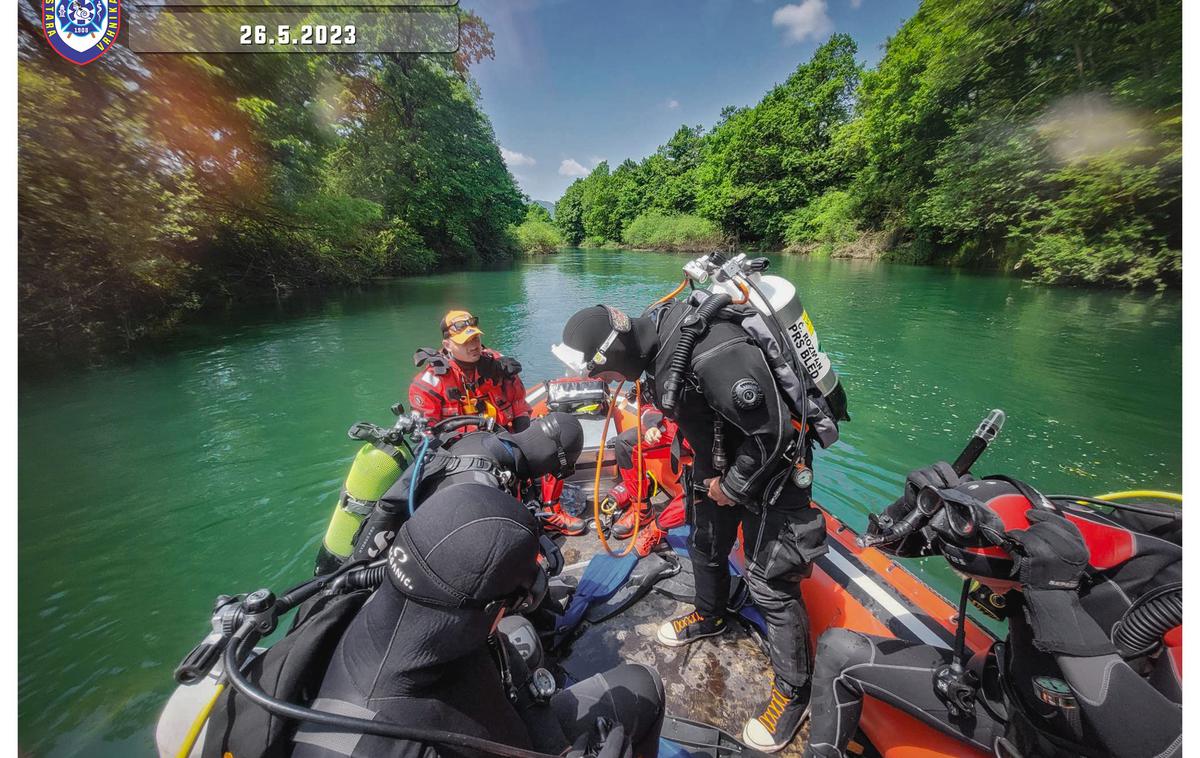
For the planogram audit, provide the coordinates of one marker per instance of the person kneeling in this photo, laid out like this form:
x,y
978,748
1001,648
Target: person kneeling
x,y
425,650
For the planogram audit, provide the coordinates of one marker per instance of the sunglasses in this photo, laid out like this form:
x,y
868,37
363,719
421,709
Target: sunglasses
x,y
454,327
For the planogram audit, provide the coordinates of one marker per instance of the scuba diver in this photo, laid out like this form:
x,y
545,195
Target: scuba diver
x,y
504,460
1092,661
424,651
464,378
720,387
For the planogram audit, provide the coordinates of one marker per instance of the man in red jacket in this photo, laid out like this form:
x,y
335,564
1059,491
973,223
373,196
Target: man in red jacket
x,y
466,378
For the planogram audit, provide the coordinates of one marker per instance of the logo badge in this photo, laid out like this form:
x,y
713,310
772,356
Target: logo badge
x,y
81,30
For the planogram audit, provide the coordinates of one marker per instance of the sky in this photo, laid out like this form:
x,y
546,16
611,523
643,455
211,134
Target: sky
x,y
575,82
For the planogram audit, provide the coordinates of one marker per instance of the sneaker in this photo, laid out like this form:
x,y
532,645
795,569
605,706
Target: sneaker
x,y
623,527
555,519
648,538
687,629
775,727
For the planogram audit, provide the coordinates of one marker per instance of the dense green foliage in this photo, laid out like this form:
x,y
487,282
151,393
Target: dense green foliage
x,y
1044,135
823,224
536,235
150,184
657,231
598,208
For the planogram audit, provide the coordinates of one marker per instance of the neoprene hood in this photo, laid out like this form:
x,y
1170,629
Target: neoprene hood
x,y
588,329
550,445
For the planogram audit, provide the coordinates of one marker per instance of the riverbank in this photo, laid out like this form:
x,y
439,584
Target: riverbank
x,y
890,246
975,150
217,179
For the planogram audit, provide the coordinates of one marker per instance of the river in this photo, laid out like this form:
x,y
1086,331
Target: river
x,y
149,487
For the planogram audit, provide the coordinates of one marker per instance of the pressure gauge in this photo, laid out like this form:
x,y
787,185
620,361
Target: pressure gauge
x,y
542,685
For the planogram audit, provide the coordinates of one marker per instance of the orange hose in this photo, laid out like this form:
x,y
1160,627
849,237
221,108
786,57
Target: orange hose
x,y
600,466
671,294
745,292
641,464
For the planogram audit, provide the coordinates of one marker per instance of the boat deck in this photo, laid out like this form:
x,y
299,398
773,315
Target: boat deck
x,y
721,681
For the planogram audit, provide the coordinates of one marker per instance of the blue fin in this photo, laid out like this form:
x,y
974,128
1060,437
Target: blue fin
x,y
650,571
603,576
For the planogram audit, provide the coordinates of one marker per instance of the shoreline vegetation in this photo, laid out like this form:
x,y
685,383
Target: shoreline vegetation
x,y
1043,138
150,187
1039,138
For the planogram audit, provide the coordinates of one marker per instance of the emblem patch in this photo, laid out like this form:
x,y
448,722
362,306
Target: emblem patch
x,y
81,30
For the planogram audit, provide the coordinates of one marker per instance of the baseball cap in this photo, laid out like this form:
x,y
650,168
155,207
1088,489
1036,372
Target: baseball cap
x,y
460,326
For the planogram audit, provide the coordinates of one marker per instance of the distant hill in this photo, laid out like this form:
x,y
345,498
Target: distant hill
x,y
549,206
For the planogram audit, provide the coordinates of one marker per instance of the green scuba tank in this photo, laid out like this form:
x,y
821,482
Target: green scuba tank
x,y
376,467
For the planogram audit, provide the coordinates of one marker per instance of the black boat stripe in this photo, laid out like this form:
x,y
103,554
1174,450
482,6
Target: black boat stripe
x,y
895,612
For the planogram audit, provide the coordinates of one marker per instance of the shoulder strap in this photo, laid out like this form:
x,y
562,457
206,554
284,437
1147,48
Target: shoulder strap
x,y
463,463
435,359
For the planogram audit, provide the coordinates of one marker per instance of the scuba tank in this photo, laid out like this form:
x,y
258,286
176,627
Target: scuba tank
x,y
776,298
779,324
377,466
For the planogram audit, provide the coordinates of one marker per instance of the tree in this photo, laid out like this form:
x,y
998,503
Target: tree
x,y
568,213
764,161
147,183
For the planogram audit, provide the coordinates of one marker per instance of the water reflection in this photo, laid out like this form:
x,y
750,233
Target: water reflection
x,y
148,488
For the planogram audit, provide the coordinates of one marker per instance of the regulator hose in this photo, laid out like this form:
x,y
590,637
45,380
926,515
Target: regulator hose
x,y
1151,616
418,464
695,325
367,577
455,423
342,723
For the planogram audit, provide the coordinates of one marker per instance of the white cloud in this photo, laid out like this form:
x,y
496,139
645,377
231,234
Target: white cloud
x,y
808,20
672,104
572,167
513,159
855,3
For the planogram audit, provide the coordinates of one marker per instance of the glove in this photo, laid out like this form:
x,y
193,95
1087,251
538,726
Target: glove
x,y
510,366
1051,558
605,741
1050,554
940,475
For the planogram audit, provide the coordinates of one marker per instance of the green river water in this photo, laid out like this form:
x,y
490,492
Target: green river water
x,y
148,488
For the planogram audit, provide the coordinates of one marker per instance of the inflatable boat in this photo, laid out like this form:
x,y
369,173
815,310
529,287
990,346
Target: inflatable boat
x,y
851,586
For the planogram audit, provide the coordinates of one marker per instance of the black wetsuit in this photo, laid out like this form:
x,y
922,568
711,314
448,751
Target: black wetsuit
x,y
435,669
1049,703
435,666
783,537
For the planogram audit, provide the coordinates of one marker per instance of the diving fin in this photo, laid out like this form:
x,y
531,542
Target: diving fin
x,y
603,576
650,570
680,586
701,740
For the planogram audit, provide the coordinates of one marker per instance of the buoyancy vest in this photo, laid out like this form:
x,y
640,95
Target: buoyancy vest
x,y
820,413
1129,562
